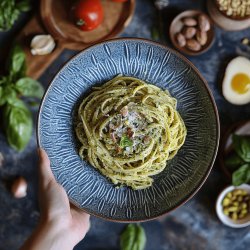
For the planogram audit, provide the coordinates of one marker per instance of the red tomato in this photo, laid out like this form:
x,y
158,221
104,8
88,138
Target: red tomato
x,y
120,1
88,14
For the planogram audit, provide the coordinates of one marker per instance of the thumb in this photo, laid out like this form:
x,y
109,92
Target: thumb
x,y
52,197
45,173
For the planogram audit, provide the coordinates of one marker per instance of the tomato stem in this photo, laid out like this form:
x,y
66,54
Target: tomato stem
x,y
80,22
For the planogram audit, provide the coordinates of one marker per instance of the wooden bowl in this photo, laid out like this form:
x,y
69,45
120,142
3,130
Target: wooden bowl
x,y
177,25
56,16
237,18
240,128
55,20
226,22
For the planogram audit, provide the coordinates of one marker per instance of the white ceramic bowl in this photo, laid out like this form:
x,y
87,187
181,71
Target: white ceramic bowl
x,y
219,209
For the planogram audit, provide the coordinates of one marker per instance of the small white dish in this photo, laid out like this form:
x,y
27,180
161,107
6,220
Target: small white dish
x,y
224,218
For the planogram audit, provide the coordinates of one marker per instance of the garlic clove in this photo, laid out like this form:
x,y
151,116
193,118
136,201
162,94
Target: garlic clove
x,y
42,45
19,187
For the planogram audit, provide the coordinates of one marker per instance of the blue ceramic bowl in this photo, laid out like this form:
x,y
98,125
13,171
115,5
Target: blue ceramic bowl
x,y
156,64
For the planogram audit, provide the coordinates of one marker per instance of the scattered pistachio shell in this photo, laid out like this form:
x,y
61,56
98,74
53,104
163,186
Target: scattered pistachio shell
x,y
42,45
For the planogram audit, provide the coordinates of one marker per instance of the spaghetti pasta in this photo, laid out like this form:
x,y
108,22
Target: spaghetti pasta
x,y
128,130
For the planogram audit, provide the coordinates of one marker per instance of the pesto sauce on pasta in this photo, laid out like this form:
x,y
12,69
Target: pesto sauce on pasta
x,y
128,130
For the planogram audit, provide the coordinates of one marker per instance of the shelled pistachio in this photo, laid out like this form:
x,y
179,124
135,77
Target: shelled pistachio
x,y
236,204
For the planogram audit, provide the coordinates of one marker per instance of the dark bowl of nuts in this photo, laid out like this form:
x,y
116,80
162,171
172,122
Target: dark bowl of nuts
x,y
237,10
192,32
233,206
230,14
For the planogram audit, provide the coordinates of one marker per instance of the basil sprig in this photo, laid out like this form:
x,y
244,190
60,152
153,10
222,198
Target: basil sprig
x,y
16,116
239,161
10,10
133,238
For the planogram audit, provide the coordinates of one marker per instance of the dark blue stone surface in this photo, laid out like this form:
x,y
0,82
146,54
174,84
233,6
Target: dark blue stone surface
x,y
192,226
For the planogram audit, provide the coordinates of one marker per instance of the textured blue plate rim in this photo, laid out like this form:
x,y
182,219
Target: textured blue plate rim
x,y
197,188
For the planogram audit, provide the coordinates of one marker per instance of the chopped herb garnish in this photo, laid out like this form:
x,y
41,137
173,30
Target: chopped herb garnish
x,y
125,142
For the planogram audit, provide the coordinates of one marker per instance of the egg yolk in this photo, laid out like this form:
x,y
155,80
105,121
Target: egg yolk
x,y
240,83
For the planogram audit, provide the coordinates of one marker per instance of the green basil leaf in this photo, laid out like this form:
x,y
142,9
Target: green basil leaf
x,y
18,103
5,8
242,146
23,5
133,238
29,87
8,95
16,62
125,142
141,238
233,161
1,20
1,91
127,238
10,11
242,175
18,124
3,80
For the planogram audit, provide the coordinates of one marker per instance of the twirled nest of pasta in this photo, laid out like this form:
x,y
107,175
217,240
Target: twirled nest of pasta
x,y
129,129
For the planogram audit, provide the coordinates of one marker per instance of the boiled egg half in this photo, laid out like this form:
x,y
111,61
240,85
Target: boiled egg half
x,y
236,82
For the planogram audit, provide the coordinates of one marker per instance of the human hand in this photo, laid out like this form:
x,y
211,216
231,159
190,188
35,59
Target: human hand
x,y
61,225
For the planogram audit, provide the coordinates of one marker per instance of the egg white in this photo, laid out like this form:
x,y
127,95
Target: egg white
x,y
237,65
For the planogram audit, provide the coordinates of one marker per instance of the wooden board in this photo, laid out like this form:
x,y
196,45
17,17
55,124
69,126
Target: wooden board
x,y
55,20
36,65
